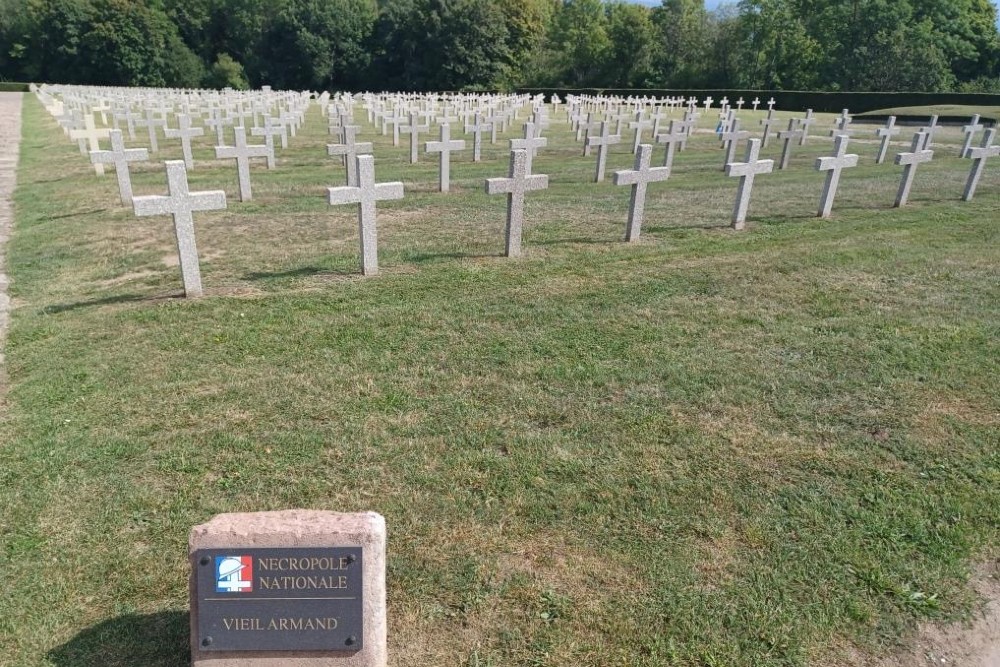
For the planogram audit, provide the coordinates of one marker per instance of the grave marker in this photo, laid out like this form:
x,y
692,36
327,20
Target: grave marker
x,y
979,157
918,154
603,142
788,135
181,203
747,172
242,153
970,131
365,194
886,133
638,178
515,186
184,132
349,151
833,166
120,156
530,143
444,147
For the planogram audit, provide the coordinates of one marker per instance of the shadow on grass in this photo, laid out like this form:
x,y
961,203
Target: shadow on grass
x,y
150,640
419,258
110,300
76,214
301,272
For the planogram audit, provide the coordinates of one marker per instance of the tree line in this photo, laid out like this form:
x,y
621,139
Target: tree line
x,y
437,45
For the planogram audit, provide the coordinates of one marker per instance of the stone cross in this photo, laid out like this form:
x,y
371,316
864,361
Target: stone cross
x,y
365,194
184,132
181,203
918,153
349,150
397,120
770,104
708,103
638,125
739,104
603,142
269,131
970,134
242,153
675,136
755,103
747,171
731,139
638,178
930,130
788,135
530,143
477,127
979,157
515,186
445,146
414,128
120,157
151,123
804,123
886,133
833,166
840,126
92,135
767,122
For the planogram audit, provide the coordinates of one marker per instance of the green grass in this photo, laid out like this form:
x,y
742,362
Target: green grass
x,y
776,447
940,110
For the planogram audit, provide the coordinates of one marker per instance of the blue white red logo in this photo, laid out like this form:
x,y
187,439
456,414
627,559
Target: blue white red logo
x,y
233,574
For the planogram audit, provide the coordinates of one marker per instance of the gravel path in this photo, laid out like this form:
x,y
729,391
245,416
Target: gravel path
x,y
10,141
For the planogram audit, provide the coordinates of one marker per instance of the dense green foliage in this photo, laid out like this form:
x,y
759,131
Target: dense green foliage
x,y
926,45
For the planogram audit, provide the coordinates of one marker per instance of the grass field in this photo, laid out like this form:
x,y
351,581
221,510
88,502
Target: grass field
x,y
776,447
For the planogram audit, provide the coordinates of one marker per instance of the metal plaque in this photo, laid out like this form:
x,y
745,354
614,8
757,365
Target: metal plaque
x,y
280,599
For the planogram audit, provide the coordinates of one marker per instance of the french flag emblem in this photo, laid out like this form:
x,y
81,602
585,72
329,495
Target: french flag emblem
x,y
233,574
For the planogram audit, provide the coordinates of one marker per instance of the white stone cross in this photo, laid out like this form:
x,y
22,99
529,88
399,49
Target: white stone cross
x,y
767,122
445,146
92,136
151,123
788,135
515,186
242,153
970,131
414,128
886,133
349,150
638,178
603,142
930,130
918,153
120,156
842,124
530,143
770,104
979,157
708,103
731,139
184,132
365,194
181,203
747,171
476,128
755,103
269,131
739,104
674,137
833,166
804,123
638,125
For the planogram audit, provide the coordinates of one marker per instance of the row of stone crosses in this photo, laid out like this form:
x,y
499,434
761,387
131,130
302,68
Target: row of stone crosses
x,y
277,116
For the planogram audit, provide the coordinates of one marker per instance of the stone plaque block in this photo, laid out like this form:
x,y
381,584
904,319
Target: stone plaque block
x,y
296,588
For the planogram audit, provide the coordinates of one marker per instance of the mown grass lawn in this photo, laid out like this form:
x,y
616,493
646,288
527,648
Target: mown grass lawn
x,y
777,447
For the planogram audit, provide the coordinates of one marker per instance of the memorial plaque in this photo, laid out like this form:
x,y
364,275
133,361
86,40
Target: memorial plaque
x,y
257,599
